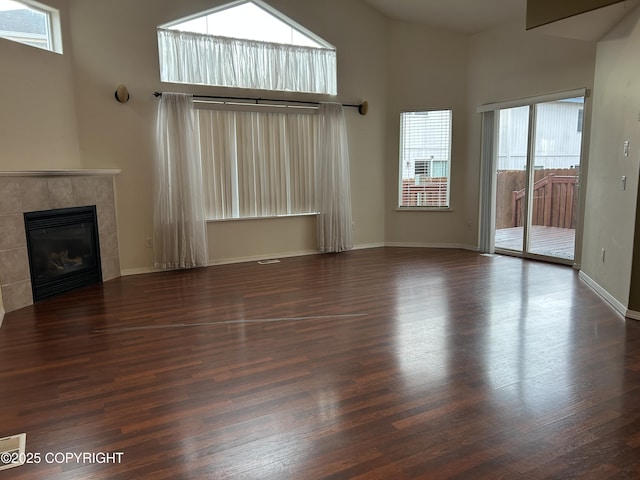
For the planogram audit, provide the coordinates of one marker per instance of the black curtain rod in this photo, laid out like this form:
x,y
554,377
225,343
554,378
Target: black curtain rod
x,y
363,108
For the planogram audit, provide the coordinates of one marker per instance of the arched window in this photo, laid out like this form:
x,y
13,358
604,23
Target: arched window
x,y
246,44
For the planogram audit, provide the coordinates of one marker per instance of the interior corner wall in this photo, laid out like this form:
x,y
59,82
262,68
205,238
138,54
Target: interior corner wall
x,y
611,212
111,48
38,122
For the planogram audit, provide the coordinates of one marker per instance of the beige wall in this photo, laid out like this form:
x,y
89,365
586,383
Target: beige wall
x,y
37,117
427,69
112,48
509,63
611,213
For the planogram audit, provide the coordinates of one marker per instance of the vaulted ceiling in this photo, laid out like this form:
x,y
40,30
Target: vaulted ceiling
x,y
465,16
473,16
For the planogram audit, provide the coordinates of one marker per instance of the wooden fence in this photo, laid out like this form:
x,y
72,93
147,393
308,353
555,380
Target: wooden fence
x,y
432,193
554,194
553,198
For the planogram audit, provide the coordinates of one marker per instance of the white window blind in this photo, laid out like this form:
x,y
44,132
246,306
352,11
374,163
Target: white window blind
x,y
425,158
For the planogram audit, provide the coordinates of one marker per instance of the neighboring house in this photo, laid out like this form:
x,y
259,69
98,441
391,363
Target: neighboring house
x,y
558,131
26,26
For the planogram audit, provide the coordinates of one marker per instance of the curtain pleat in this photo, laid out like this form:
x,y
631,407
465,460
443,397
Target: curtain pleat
x,y
200,59
333,187
179,235
488,184
257,164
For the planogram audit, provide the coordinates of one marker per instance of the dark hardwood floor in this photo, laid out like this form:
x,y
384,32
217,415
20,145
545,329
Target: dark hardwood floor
x,y
375,364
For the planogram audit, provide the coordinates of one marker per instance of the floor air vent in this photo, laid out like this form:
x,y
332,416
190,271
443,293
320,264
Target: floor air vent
x,y
12,451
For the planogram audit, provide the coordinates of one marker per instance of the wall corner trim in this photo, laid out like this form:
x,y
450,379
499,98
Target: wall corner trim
x,y
618,306
633,315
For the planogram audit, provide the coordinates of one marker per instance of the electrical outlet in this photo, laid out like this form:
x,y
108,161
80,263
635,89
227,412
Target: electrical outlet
x,y
149,242
626,148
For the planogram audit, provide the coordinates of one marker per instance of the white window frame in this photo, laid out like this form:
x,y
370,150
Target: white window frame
x,y
54,31
422,196
266,7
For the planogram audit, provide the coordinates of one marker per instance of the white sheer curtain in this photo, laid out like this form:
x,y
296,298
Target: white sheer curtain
x,y
488,184
179,236
257,164
333,185
196,58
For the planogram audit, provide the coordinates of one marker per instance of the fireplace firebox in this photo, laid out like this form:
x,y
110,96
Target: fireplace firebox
x,y
64,250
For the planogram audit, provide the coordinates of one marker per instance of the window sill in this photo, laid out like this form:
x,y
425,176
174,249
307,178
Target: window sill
x,y
424,209
271,217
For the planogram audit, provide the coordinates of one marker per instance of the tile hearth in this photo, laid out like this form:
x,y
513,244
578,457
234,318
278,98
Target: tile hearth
x,y
34,191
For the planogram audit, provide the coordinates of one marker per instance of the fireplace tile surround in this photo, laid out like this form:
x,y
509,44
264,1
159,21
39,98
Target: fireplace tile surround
x,y
33,191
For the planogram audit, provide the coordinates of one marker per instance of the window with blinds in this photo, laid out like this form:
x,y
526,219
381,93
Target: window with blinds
x,y
425,158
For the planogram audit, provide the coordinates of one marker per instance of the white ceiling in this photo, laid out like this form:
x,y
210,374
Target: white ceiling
x,y
466,16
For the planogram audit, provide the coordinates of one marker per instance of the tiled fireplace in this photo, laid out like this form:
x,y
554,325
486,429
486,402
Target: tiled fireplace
x,y
22,192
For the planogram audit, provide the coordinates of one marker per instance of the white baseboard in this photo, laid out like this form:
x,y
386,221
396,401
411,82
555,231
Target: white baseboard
x,y
633,315
456,246
252,258
366,246
138,271
610,299
258,258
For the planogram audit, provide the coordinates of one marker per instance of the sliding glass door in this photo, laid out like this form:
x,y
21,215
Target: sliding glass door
x,y
511,183
538,150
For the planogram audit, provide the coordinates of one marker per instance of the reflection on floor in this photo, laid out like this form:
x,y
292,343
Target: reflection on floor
x,y
383,363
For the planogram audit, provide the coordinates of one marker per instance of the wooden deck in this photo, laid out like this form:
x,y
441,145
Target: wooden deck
x,y
549,241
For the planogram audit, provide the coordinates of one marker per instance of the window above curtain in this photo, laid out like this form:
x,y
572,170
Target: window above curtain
x,y
31,23
249,45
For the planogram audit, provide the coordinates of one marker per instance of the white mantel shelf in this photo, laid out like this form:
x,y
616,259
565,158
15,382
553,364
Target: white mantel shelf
x,y
76,172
